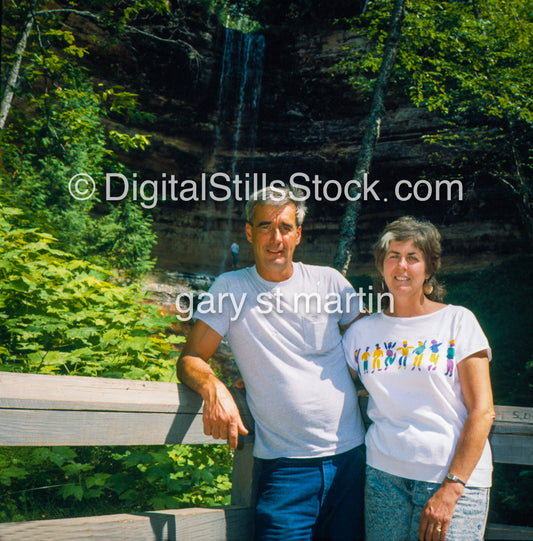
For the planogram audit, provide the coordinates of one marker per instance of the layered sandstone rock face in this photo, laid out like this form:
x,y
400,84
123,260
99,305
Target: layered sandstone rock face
x,y
306,120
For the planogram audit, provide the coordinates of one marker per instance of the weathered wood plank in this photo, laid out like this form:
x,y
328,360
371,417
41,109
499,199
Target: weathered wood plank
x,y
504,414
514,414
40,409
512,448
502,427
230,523
505,532
49,427
61,427
42,391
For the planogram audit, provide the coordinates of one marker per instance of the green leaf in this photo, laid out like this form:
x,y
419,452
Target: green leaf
x,y
72,491
60,455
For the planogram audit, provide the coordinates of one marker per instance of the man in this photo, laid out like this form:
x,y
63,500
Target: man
x,y
235,254
283,325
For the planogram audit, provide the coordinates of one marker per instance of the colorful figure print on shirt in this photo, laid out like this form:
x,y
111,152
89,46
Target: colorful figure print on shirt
x,y
419,352
434,357
364,357
376,357
404,350
391,354
450,356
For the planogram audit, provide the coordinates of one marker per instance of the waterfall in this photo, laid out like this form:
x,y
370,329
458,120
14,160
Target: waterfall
x,y
238,107
239,93
249,93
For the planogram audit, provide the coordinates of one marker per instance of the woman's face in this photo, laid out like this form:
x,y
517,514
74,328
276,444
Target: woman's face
x,y
404,269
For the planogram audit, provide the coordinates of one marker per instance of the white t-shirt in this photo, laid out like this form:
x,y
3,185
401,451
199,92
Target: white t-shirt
x,y
287,345
408,366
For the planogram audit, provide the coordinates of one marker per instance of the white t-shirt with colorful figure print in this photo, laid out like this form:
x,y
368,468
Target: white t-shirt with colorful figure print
x,y
408,365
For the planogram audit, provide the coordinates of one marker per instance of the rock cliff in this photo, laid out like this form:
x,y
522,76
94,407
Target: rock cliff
x,y
310,121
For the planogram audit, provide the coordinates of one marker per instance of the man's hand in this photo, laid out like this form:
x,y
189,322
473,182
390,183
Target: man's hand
x,y
221,415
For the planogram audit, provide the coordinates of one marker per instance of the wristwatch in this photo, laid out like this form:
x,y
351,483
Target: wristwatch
x,y
453,477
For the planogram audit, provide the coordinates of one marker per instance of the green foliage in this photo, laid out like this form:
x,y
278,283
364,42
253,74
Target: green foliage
x,y
59,310
471,63
59,314
55,482
500,298
456,57
237,14
475,58
511,495
56,131
314,12
252,15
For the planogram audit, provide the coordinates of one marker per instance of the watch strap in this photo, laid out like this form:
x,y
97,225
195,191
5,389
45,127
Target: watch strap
x,y
452,477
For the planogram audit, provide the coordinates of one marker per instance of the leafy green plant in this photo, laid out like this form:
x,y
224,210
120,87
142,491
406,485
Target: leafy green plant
x,y
64,481
60,314
61,310
56,130
469,63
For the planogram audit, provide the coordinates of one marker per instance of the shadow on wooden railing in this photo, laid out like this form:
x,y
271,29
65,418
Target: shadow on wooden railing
x,y
42,410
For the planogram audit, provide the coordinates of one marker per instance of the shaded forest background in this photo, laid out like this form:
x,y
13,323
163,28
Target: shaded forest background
x,y
88,88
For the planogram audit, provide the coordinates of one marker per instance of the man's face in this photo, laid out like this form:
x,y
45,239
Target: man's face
x,y
274,236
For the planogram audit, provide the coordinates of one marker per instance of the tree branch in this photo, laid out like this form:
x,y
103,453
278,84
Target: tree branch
x,y
13,76
12,79
127,28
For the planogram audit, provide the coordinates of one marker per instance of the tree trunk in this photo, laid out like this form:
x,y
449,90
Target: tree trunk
x,y
370,137
13,76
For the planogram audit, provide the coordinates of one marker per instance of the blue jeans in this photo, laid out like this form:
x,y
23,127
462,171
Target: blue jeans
x,y
312,498
393,506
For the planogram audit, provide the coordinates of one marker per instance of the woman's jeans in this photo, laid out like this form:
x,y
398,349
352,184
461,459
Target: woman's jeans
x,y
393,506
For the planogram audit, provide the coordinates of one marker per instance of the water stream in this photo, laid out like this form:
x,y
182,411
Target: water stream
x,y
238,109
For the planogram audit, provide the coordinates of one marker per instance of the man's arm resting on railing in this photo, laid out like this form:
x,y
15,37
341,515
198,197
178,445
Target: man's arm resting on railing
x,y
221,416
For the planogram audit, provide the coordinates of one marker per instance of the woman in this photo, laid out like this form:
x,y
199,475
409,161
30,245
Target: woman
x,y
428,459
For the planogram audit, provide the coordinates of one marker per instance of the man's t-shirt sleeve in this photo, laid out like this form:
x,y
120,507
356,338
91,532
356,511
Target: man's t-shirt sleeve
x,y
211,309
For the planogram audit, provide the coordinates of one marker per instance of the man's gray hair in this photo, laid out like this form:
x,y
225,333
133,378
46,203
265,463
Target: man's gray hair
x,y
277,196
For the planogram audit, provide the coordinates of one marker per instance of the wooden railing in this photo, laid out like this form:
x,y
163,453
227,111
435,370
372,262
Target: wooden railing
x,y
42,410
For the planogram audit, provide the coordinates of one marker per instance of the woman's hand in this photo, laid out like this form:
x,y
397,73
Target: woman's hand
x,y
438,511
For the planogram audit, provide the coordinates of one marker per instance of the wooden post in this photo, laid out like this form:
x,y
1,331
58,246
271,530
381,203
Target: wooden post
x,y
243,478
